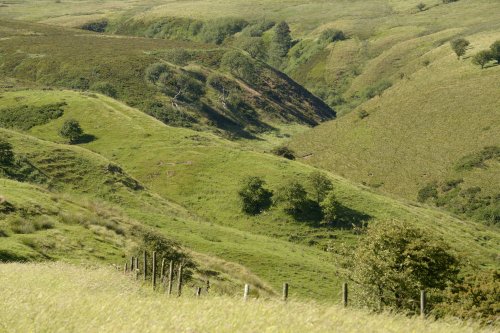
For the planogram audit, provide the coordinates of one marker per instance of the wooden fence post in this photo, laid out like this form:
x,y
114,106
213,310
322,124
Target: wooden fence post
x,y
246,291
344,294
422,303
145,265
198,291
153,270
170,277
125,268
136,268
132,264
162,272
179,281
208,286
285,291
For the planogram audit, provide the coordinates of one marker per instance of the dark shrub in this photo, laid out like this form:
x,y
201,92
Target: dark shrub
x,y
284,151
105,88
96,26
332,35
254,196
71,130
427,192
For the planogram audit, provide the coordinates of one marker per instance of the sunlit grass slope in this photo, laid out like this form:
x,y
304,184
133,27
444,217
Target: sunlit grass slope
x,y
419,129
202,173
76,299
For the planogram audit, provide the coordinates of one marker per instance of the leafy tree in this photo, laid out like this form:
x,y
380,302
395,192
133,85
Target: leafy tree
x,y
495,51
178,56
281,41
476,297
238,64
320,185
71,130
330,208
482,58
459,46
180,86
254,196
216,31
394,261
6,153
255,46
293,197
284,151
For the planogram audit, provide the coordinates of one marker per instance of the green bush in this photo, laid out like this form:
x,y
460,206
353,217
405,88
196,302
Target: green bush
x,y
105,88
239,65
254,196
427,192
180,86
95,26
330,208
284,151
478,159
459,46
292,197
216,31
178,56
154,71
482,58
255,46
394,261
320,185
477,297
24,117
332,35
495,51
377,89
71,130
281,42
257,29
169,115
6,153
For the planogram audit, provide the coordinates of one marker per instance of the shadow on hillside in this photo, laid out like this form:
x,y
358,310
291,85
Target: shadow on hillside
x,y
347,218
7,256
85,138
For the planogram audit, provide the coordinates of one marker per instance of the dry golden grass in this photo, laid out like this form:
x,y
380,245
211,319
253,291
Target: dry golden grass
x,y
62,298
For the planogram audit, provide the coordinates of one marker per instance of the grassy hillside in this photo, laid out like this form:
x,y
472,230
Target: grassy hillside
x,y
71,293
203,94
419,130
202,173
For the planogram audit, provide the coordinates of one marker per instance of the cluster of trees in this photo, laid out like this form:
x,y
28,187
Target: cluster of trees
x,y
394,261
485,56
460,45
292,197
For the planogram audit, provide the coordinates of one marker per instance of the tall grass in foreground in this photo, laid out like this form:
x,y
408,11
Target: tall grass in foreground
x,y
60,297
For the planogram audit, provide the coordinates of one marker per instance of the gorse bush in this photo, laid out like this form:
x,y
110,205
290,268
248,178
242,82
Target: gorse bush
x,y
254,196
427,192
24,117
169,115
478,159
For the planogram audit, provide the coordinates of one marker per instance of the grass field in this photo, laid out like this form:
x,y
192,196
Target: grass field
x,y
80,299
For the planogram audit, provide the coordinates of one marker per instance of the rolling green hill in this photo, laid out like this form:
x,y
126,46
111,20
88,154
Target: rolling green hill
x,y
187,183
178,107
